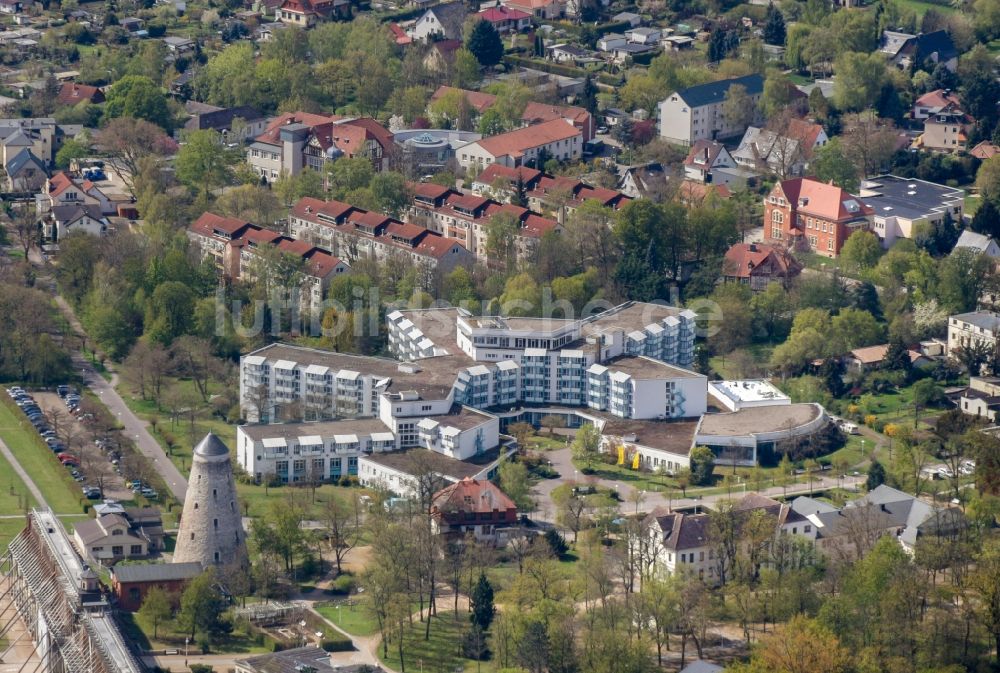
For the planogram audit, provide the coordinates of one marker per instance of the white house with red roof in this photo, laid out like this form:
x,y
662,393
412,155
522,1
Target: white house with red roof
x,y
704,157
233,243
557,139
307,13
540,9
63,189
506,19
945,123
297,140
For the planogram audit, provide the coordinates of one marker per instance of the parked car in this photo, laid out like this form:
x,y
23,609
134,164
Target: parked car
x,y
91,492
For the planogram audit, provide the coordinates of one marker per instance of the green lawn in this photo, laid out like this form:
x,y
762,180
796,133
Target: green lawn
x,y
726,366
170,635
8,529
543,443
61,492
440,654
971,203
353,616
920,7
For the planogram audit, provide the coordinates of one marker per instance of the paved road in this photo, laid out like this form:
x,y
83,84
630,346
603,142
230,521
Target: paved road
x,y
563,464
25,477
134,427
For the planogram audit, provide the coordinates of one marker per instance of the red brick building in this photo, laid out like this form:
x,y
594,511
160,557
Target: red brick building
x,y
759,265
807,214
131,583
473,507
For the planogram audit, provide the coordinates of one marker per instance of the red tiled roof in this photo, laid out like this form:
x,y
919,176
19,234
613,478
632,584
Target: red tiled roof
x,y
399,35
367,218
742,258
295,247
536,226
471,495
405,231
273,130
515,143
542,112
468,201
985,150
477,100
259,235
939,98
71,93
321,263
807,133
501,14
822,199
429,190
494,171
59,183
209,223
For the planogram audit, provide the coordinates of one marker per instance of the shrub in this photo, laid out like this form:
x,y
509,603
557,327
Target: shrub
x,y
343,584
201,668
336,642
556,542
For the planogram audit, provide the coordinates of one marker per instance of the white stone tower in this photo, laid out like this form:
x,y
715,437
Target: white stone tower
x,y
211,530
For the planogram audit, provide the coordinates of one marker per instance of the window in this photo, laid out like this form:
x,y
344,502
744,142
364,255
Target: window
x,y
136,549
117,550
829,244
807,529
777,216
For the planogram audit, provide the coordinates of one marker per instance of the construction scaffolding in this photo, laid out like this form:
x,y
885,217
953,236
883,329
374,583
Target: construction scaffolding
x,y
55,595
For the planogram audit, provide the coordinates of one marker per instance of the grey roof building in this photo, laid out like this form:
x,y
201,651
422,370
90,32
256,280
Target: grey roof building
x,y
299,660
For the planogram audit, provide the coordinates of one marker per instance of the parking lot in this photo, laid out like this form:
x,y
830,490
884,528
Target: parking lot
x,y
72,438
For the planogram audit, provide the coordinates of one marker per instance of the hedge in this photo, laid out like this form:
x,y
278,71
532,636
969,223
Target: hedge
x,y
337,643
549,67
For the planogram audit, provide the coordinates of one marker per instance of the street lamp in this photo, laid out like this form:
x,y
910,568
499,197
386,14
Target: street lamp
x,y
340,618
187,640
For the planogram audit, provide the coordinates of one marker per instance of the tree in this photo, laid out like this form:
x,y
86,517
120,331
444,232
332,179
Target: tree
x,y
127,142
485,44
988,180
481,603
802,645
390,192
985,580
774,26
861,251
737,107
587,443
138,97
987,219
343,527
514,481
70,150
202,607
155,608
925,393
869,139
876,475
859,80
204,162
702,465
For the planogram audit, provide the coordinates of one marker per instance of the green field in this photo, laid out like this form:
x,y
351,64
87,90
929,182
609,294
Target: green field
x,y
440,654
353,617
60,491
920,8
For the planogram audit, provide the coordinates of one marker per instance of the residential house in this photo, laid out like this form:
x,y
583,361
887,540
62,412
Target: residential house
x,y
817,216
234,123
610,41
297,140
981,398
557,139
232,244
977,327
906,50
477,101
399,35
904,207
63,189
71,93
644,36
631,18
945,124
62,220
354,233
442,21
562,195
131,583
704,158
758,265
506,19
649,181
568,53
539,113
907,517
785,153
467,218
540,9
985,150
473,507
865,359
307,13
696,113
108,539
692,194
679,42
24,172
179,46
42,135
11,6
623,54
441,55
980,243
132,24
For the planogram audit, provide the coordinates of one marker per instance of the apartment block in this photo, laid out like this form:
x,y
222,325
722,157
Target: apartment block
x,y
697,113
977,327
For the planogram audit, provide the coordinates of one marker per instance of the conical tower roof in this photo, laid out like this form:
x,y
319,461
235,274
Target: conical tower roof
x,y
211,446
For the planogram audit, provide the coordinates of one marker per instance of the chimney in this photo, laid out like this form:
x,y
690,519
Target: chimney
x,y
753,247
706,155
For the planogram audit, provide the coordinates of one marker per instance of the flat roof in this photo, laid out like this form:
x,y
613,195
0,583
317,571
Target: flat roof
x,y
760,419
260,432
440,325
641,367
406,460
629,317
756,390
433,378
907,197
987,320
675,437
